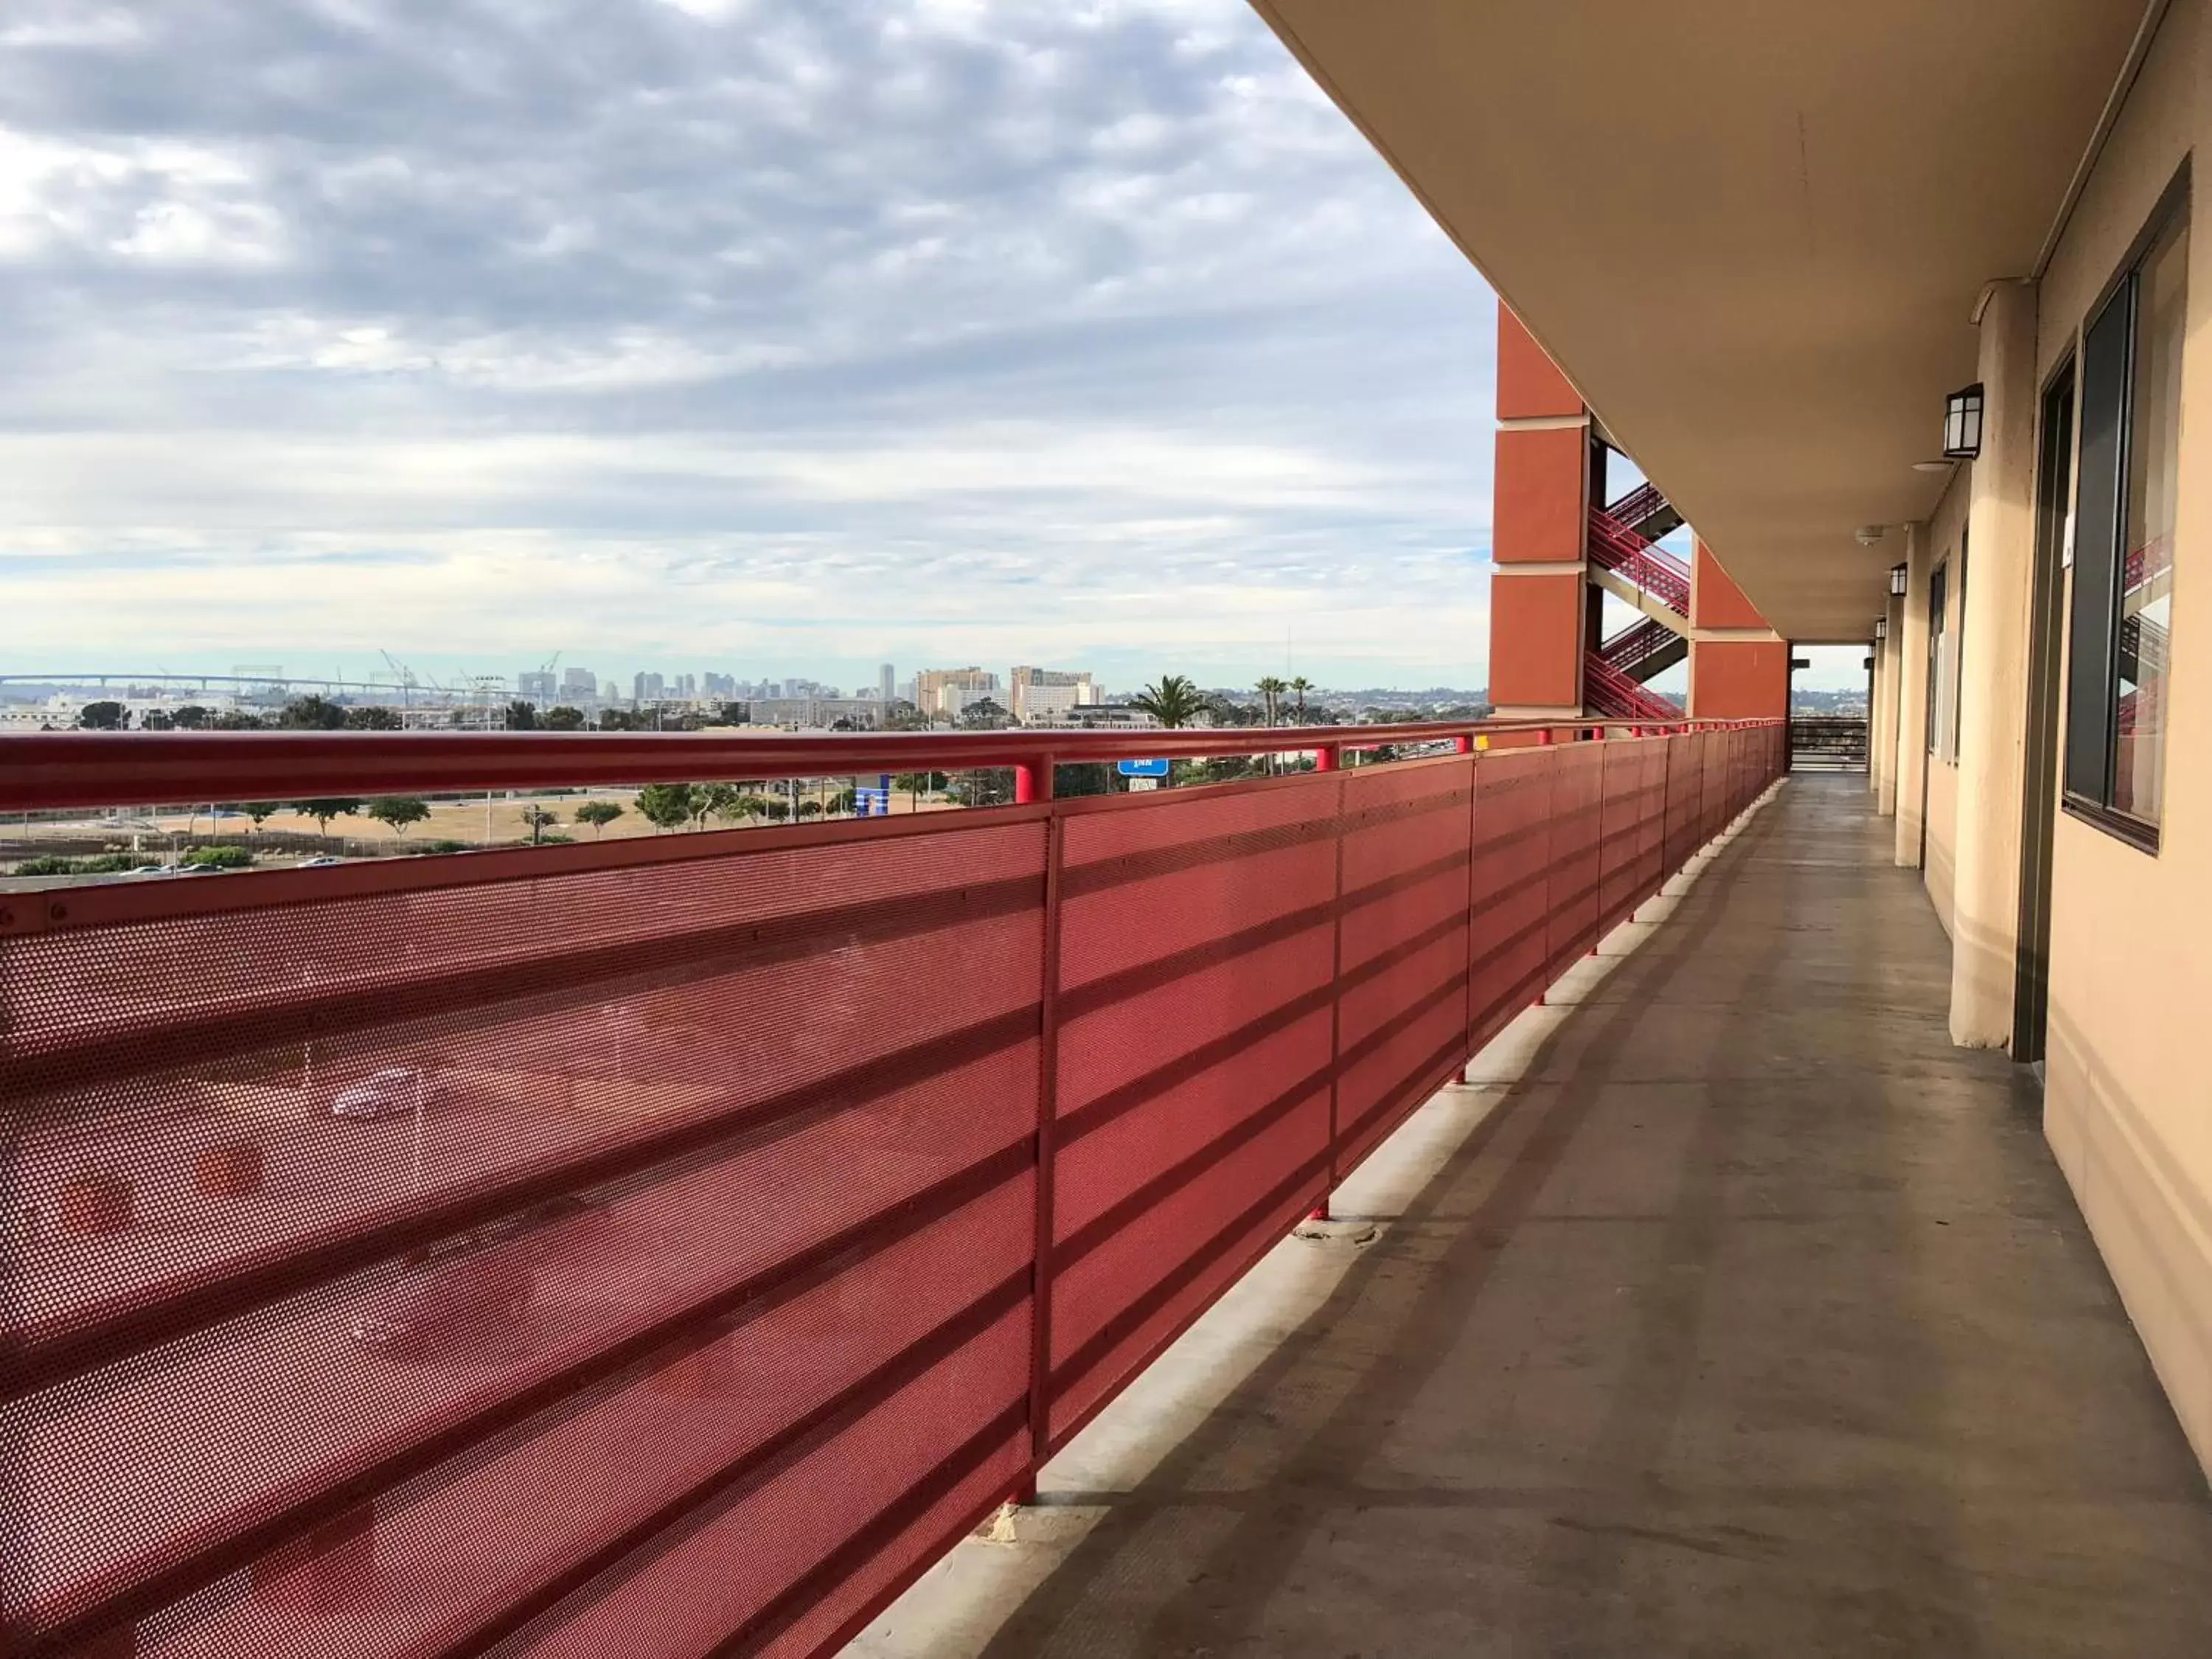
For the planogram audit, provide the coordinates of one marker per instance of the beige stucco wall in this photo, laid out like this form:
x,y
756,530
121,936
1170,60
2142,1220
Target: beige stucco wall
x,y
2128,1102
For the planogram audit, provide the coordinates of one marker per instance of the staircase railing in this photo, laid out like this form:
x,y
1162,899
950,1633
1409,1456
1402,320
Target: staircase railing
x,y
1653,571
1637,644
1637,505
1608,691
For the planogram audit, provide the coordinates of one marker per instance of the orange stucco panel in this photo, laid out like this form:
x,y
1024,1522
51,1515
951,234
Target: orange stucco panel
x,y
1536,641
1738,679
1538,514
1530,385
1715,599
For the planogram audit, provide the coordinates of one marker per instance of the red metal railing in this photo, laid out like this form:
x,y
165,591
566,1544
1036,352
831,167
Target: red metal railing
x,y
1636,506
669,1247
1636,644
1611,692
1649,566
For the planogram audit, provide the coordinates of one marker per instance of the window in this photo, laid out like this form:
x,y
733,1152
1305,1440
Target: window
x,y
2122,626
1959,661
1942,684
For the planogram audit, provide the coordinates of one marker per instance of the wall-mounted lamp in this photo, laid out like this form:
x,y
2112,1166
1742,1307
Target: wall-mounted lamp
x,y
1897,576
1882,628
1962,423
1868,534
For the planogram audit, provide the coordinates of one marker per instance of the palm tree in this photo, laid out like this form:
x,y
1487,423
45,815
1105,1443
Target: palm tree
x,y
1302,685
1173,700
1271,691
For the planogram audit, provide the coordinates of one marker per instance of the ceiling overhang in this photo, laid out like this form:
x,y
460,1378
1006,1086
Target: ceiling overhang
x,y
1755,238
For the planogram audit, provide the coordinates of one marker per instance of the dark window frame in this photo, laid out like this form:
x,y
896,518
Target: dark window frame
x,y
1939,614
2104,436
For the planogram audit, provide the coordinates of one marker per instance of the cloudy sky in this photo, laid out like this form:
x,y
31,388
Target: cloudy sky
x,y
781,336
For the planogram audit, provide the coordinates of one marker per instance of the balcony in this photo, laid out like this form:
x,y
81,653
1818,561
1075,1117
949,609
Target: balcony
x,y
670,1245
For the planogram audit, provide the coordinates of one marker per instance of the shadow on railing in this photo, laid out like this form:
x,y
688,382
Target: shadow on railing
x,y
672,1245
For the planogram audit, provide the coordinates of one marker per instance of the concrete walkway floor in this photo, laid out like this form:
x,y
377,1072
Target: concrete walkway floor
x,y
1754,1318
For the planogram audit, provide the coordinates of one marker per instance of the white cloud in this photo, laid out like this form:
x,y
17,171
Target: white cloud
x,y
755,333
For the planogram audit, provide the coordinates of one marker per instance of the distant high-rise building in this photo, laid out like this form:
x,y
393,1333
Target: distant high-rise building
x,y
949,690
647,687
579,683
610,692
886,683
713,684
687,686
1047,697
535,685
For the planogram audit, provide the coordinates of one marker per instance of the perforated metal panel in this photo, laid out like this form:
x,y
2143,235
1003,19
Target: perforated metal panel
x,y
1577,827
644,1258
440,1197
1197,965
1511,906
1403,981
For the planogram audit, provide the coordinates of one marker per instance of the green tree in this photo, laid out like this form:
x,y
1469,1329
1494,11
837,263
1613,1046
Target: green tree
x,y
540,819
520,716
728,802
193,717
156,719
312,713
598,814
666,806
1300,685
985,715
334,806
774,811
259,811
1172,700
1271,691
1089,778
623,719
809,809
237,719
222,858
373,717
902,715
106,715
564,719
398,812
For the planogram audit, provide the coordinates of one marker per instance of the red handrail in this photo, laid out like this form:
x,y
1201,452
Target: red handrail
x,y
1615,694
42,771
1651,568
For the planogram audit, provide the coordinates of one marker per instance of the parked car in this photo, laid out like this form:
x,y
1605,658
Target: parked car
x,y
322,861
392,1092
475,1287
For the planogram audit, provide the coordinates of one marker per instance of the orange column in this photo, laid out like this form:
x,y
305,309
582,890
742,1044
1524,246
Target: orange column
x,y
1739,666
1538,525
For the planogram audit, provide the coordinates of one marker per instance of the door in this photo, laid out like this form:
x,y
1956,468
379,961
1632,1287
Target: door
x,y
2054,495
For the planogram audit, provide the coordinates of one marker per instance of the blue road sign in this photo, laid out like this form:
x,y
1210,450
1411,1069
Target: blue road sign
x,y
1146,769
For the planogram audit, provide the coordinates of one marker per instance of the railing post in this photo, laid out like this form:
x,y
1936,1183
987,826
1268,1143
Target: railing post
x,y
1032,780
1463,743
1329,757
1327,761
1047,1142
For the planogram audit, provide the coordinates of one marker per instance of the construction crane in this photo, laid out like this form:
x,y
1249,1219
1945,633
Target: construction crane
x,y
406,676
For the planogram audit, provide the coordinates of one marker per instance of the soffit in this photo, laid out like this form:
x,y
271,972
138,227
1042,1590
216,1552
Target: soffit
x,y
1752,236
